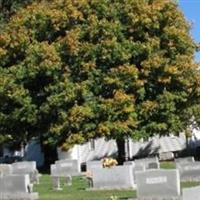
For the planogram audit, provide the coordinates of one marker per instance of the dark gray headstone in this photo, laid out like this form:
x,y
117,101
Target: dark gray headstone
x,y
158,184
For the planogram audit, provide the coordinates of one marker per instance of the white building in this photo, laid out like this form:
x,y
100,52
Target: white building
x,y
100,148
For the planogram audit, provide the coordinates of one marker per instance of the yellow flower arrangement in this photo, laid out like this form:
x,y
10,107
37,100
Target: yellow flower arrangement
x,y
109,162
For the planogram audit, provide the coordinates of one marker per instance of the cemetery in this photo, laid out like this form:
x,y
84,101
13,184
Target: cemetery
x,y
132,180
99,100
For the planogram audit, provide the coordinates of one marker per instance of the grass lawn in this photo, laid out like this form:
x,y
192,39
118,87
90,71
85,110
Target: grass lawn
x,y
167,165
78,189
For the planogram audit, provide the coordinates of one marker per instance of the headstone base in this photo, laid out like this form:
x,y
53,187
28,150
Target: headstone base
x,y
20,196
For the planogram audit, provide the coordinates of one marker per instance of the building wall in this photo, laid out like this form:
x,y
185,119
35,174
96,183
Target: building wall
x,y
100,148
108,148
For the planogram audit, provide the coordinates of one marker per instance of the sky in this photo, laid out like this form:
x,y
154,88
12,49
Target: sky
x,y
191,10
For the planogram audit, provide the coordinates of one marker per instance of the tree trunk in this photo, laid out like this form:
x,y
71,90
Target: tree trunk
x,y
1,150
121,150
50,155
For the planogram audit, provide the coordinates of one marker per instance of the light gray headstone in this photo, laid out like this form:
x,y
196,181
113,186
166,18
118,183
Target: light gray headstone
x,y
149,163
135,167
90,165
129,163
26,167
158,184
191,193
5,169
185,160
16,187
70,163
117,177
65,169
189,171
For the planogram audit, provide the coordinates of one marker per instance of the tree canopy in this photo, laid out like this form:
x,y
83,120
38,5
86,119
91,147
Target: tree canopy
x,y
71,70
9,7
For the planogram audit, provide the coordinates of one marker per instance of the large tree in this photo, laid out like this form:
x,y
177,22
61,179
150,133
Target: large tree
x,y
74,70
9,7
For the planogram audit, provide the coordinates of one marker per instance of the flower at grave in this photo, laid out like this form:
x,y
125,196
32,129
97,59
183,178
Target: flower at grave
x,y
109,162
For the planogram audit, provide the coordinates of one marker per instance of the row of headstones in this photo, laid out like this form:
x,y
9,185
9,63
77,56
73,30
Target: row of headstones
x,y
144,175
118,177
165,184
149,180
17,179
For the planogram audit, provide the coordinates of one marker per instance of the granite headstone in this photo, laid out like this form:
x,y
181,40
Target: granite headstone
x,y
158,184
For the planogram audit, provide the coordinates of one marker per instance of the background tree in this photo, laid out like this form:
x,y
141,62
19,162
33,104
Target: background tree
x,y
9,7
88,69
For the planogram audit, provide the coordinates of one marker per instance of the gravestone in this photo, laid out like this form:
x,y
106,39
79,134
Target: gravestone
x,y
66,169
189,171
192,193
117,177
185,160
166,156
153,165
72,164
149,163
26,167
129,163
158,184
16,187
5,169
63,169
135,167
90,165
